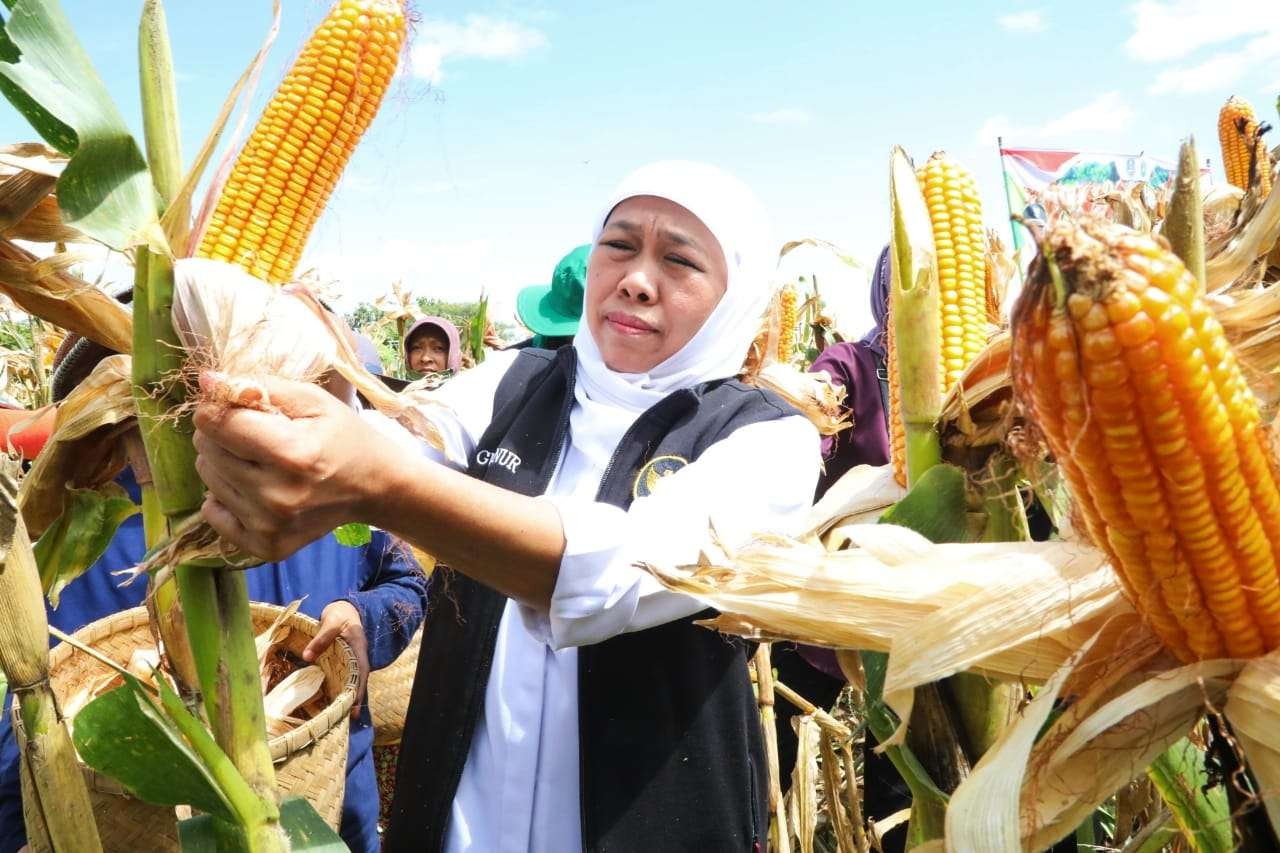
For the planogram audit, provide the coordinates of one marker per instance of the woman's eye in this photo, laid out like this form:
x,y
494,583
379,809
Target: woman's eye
x,y
682,261
618,244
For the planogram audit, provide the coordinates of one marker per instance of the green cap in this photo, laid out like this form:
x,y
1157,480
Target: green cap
x,y
553,310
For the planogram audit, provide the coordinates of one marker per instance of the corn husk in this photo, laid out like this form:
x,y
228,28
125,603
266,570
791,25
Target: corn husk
x,y
28,202
860,496
62,801
242,327
1253,707
275,634
143,663
977,409
803,796
296,690
45,288
86,447
813,394
1127,702
937,609
1254,240
233,325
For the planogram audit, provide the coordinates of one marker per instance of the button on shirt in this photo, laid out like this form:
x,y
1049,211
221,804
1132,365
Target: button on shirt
x,y
519,788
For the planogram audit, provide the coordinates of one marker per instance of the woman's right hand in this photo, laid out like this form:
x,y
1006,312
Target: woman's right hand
x,y
281,478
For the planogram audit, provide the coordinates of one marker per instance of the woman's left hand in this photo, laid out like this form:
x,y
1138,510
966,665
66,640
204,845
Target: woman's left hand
x,y
341,619
280,479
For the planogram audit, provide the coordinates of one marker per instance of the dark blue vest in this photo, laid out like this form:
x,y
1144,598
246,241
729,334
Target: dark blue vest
x,y
669,734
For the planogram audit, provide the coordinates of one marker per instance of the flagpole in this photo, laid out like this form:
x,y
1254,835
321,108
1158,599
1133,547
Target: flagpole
x,y
1008,199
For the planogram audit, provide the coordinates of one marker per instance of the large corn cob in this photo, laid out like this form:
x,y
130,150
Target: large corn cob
x,y
1126,371
788,301
289,166
955,211
1244,152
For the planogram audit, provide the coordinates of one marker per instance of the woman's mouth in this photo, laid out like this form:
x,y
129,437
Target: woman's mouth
x,y
627,324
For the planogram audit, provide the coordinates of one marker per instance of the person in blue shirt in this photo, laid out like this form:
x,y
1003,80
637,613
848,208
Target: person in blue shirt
x,y
372,596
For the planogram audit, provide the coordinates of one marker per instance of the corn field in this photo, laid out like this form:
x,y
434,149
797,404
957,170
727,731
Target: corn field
x,y
1114,680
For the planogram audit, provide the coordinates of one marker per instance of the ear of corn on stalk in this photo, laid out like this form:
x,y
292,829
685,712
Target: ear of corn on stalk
x,y
788,301
49,757
291,163
1244,152
1126,371
955,212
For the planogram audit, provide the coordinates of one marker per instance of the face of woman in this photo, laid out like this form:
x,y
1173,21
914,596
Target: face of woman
x,y
654,277
429,351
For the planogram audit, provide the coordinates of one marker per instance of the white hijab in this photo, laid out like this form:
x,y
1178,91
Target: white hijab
x,y
608,401
736,218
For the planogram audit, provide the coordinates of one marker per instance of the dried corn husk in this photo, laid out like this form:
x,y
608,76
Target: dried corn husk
x,y
86,447
61,801
242,327
1127,701
1254,240
1253,707
143,663
977,409
861,495
1220,207
803,796
230,323
296,690
270,639
813,394
43,287
938,609
28,204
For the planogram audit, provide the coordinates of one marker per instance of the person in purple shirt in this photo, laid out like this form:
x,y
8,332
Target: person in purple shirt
x,y
372,596
859,367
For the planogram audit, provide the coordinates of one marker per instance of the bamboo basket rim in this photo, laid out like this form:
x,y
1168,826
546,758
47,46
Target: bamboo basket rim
x,y
281,746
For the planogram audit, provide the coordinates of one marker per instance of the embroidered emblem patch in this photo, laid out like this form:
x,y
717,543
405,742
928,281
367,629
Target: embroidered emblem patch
x,y
653,471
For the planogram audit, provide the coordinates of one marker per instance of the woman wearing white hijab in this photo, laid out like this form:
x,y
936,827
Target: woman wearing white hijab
x,y
564,699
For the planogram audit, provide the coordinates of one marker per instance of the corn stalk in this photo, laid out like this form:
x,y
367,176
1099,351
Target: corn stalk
x,y
214,602
57,785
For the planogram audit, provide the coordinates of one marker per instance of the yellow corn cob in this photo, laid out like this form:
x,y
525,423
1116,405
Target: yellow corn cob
x,y
1126,371
289,166
959,239
1244,153
787,303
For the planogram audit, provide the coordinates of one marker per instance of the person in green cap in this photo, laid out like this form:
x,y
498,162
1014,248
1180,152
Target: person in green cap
x,y
551,311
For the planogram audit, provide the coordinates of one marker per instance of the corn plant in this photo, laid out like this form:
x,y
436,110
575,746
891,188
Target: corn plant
x,y
138,199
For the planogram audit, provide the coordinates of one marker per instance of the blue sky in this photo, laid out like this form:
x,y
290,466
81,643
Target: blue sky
x,y
512,120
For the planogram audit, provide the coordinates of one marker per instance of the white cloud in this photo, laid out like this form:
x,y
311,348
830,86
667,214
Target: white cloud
x,y
783,116
1030,21
1107,112
478,37
1165,31
1221,70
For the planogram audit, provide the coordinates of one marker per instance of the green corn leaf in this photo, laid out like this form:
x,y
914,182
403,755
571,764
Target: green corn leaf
x,y
935,506
307,831
77,539
105,190
124,735
353,535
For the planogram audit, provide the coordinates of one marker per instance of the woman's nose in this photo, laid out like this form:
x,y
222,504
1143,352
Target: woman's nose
x,y
638,285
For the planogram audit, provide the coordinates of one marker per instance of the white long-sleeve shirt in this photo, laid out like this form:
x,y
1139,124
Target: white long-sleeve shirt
x,y
519,787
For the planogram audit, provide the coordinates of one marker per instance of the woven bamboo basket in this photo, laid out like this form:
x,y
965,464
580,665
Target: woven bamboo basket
x,y
389,690
311,760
